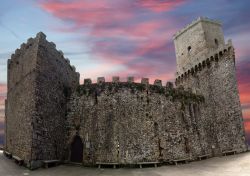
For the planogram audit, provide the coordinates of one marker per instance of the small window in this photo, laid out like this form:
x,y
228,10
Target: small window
x,y
189,48
216,42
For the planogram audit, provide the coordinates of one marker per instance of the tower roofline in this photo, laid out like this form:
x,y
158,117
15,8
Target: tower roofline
x,y
200,19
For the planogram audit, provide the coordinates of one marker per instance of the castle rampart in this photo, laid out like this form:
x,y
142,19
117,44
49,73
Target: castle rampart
x,y
39,81
215,79
206,61
49,116
128,122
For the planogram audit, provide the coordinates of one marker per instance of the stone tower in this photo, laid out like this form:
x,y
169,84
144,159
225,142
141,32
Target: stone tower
x,y
206,65
196,41
39,81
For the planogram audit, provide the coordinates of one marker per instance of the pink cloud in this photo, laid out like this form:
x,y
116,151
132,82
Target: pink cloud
x,y
161,6
86,12
118,33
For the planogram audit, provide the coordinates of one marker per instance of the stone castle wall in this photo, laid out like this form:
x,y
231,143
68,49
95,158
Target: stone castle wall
x,y
124,122
55,81
20,103
39,81
131,122
215,79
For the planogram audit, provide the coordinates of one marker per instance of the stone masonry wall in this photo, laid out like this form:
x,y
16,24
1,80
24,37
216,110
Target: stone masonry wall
x,y
20,103
215,79
40,80
200,36
55,81
131,122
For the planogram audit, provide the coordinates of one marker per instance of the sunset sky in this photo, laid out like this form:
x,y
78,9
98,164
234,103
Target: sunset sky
x,y
122,37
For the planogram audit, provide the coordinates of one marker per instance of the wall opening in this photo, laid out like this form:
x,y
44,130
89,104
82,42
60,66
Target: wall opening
x,y
76,150
216,42
189,48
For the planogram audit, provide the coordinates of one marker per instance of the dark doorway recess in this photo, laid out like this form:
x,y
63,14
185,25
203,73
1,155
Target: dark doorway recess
x,y
76,150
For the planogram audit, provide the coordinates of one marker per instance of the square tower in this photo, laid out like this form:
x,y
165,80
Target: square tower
x,y
196,41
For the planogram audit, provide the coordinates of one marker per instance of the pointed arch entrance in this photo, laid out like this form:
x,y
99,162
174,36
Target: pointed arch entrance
x,y
76,150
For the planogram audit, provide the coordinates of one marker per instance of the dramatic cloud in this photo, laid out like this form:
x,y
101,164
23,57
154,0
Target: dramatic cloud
x,y
159,5
133,33
131,37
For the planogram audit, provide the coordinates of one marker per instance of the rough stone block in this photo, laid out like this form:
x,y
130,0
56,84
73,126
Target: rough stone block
x,y
115,79
87,81
130,79
158,82
73,67
145,81
41,36
170,85
67,60
30,40
61,53
53,44
17,52
23,46
100,80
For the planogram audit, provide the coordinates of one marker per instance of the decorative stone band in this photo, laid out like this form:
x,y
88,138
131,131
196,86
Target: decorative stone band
x,y
34,42
206,62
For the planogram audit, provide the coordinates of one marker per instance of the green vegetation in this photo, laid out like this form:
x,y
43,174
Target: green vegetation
x,y
175,94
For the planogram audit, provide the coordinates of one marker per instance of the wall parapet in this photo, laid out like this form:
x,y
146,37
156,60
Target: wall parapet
x,y
214,57
32,43
95,89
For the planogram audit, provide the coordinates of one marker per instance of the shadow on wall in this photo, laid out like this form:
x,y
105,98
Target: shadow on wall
x,y
1,139
248,139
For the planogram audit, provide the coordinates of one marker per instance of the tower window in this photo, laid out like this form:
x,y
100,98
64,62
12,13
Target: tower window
x,y
216,42
189,48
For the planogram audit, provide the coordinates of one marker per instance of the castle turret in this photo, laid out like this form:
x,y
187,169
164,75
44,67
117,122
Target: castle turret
x,y
40,80
197,41
206,65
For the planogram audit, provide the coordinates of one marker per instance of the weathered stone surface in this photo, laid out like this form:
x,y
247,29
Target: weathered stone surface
x,y
197,41
130,79
223,122
158,82
145,81
100,80
125,122
129,123
87,81
115,79
170,85
39,82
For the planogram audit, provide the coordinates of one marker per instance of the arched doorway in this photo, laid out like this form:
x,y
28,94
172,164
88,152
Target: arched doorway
x,y
76,150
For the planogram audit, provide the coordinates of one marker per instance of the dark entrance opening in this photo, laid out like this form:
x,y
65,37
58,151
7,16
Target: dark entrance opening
x,y
76,150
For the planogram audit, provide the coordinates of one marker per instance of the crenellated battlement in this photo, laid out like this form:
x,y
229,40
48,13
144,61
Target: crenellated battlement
x,y
205,63
49,116
32,46
89,88
130,79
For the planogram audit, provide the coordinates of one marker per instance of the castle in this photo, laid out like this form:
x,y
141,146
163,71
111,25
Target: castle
x,y
49,116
